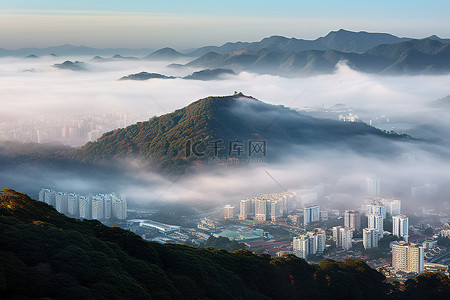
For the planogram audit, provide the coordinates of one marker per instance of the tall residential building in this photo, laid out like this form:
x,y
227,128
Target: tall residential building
x,y
300,245
119,207
400,226
97,207
370,238
107,207
346,238
228,212
311,214
393,206
48,196
245,209
73,204
85,207
61,203
313,242
377,208
372,186
276,209
261,210
376,221
352,219
408,257
343,237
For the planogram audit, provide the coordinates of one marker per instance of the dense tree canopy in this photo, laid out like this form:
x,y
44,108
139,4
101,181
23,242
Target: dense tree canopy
x,y
46,255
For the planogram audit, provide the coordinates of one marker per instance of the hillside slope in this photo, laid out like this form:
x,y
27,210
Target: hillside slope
x,y
47,255
161,142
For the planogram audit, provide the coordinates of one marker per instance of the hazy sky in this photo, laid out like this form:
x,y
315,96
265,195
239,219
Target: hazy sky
x,y
185,24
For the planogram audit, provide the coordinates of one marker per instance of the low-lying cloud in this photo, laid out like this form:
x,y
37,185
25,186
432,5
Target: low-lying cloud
x,y
48,92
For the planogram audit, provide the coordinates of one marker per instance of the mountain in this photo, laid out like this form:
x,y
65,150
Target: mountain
x,y
425,56
69,65
46,255
162,141
145,76
349,41
68,50
341,40
209,74
164,54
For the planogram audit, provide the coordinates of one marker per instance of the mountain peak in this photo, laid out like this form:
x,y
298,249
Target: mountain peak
x,y
161,142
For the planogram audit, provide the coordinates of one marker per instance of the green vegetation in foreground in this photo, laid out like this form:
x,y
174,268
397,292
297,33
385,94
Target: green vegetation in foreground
x,y
46,255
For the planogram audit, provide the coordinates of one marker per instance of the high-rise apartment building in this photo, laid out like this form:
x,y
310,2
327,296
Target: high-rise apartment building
x,y
400,227
311,214
246,209
352,219
393,206
377,208
313,242
376,221
73,204
85,207
370,238
119,207
372,186
408,257
61,202
228,212
343,237
261,210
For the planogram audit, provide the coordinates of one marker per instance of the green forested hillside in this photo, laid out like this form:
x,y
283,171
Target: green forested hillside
x,y
161,141
45,255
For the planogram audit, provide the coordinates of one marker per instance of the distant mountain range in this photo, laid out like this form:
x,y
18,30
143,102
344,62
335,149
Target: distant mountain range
x,y
208,74
163,142
341,40
70,50
427,56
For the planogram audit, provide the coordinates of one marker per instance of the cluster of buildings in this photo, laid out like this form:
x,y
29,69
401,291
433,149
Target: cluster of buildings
x,y
377,209
99,207
264,208
310,243
66,129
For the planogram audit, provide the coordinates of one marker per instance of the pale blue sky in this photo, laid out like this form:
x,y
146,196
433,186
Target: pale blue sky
x,y
184,24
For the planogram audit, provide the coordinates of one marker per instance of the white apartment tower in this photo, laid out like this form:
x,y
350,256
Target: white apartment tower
x,y
370,238
97,207
343,237
400,226
313,242
377,208
85,207
393,206
372,186
228,212
61,202
73,204
352,219
245,209
376,221
311,214
119,207
261,210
